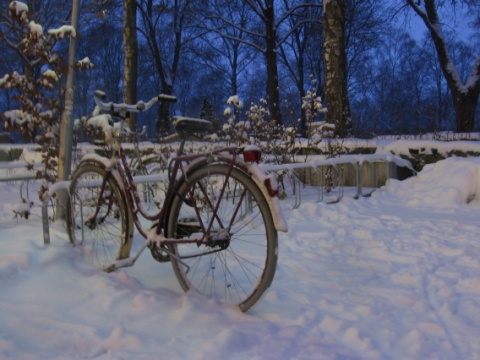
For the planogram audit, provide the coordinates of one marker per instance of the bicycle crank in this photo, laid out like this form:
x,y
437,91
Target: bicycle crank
x,y
160,254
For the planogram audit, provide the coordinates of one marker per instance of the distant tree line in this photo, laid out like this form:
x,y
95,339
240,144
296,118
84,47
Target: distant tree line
x,y
204,51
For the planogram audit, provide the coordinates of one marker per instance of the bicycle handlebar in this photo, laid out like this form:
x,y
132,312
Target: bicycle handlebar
x,y
100,99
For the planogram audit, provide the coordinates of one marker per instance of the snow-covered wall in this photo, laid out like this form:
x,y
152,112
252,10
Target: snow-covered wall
x,y
419,151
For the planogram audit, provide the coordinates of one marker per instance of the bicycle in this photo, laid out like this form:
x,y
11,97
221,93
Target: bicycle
x,y
140,163
146,164
217,224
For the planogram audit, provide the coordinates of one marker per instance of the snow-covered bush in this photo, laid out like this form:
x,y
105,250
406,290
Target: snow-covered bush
x,y
321,131
312,107
276,140
37,87
234,130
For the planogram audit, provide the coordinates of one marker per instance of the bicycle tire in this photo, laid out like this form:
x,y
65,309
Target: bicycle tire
x,y
104,241
241,272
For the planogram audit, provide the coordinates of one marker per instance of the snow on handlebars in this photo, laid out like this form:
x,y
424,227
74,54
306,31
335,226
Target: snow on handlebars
x,y
100,99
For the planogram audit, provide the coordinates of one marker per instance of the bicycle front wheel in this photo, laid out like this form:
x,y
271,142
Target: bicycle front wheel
x,y
153,193
97,217
235,262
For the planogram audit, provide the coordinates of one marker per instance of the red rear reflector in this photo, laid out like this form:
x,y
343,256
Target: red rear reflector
x,y
252,154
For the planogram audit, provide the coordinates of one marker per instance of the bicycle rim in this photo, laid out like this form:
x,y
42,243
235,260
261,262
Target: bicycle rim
x,y
106,236
239,264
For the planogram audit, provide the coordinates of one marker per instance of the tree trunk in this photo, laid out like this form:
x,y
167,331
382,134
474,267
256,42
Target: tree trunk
x,y
166,73
338,106
273,90
465,96
465,106
163,124
131,56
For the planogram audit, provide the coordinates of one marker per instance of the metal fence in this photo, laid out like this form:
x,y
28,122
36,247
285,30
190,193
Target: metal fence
x,y
314,173
300,174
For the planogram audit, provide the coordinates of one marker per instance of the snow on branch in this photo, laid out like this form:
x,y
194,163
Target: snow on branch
x,y
84,64
12,81
35,28
18,10
62,32
15,118
39,95
474,78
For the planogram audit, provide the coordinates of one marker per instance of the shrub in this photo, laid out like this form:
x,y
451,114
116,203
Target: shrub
x,y
38,89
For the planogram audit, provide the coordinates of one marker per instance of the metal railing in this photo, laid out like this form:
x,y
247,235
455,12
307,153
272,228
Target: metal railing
x,y
337,163
64,186
292,170
12,176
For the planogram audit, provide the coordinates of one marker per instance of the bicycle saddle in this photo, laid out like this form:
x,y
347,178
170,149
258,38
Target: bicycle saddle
x,y
186,126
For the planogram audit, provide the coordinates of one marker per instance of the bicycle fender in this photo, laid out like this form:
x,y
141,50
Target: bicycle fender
x,y
104,163
270,193
98,160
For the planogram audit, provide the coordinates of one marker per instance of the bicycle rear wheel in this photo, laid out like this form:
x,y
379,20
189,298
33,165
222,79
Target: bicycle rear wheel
x,y
98,220
236,262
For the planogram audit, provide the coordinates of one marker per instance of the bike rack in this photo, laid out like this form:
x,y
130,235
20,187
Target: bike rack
x,y
58,186
295,178
339,170
12,177
337,163
373,179
64,187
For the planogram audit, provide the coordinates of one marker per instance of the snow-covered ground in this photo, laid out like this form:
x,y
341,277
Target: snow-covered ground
x,y
392,276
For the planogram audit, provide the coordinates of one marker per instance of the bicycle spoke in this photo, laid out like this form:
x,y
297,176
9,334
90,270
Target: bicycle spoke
x,y
97,218
236,264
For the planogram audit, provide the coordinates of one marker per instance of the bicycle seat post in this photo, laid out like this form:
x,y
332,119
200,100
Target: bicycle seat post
x,y
182,145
